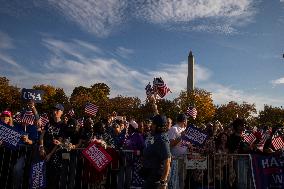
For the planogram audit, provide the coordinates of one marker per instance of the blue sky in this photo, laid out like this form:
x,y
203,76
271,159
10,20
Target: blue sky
x,y
238,45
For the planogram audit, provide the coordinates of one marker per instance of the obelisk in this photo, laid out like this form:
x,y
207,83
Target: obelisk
x,y
190,74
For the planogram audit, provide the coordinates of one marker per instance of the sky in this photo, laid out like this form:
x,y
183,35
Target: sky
x,y
237,45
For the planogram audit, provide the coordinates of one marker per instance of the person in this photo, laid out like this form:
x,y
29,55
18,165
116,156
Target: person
x,y
48,149
157,156
29,138
236,145
224,172
6,117
178,150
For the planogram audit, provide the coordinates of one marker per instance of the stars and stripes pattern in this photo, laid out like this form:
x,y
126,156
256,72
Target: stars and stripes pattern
x,y
91,109
277,143
248,137
43,120
71,112
264,135
28,118
191,112
80,122
160,87
18,117
149,90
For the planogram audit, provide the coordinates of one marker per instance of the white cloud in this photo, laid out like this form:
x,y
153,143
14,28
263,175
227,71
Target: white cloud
x,y
96,16
102,17
124,52
278,81
202,15
5,41
63,71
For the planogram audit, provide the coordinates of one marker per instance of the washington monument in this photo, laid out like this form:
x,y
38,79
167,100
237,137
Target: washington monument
x,y
190,74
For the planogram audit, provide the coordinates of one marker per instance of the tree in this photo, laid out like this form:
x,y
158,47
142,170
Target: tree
x,y
128,106
202,101
96,94
271,115
10,96
226,113
52,96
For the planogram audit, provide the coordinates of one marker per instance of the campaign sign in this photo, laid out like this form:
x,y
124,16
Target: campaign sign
x,y
9,136
37,177
31,94
195,135
268,171
196,161
97,156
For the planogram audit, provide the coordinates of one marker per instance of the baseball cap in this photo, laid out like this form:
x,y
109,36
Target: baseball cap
x,y
59,107
7,113
159,120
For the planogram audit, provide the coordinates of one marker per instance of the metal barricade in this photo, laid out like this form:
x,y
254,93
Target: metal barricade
x,y
218,171
73,171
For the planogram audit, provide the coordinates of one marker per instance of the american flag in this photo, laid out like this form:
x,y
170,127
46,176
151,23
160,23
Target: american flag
x,y
192,112
277,143
18,117
28,118
91,109
160,87
149,90
248,137
264,135
43,120
71,112
81,122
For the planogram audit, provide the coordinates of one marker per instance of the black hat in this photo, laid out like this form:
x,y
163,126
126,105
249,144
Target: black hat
x,y
59,107
159,120
181,117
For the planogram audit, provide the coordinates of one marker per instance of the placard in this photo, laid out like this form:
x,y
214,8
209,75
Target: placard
x,y
9,136
195,135
97,156
196,161
32,94
38,175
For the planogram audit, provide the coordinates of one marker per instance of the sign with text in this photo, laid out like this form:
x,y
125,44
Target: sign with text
x,y
9,136
32,94
195,135
38,178
196,161
268,171
97,156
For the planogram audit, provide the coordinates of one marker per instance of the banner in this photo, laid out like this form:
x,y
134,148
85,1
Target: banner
x,y
195,135
9,136
31,94
38,178
196,161
97,156
268,171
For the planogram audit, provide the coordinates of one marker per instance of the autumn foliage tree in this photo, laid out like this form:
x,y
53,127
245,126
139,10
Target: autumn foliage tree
x,y
226,113
271,116
202,101
52,96
10,96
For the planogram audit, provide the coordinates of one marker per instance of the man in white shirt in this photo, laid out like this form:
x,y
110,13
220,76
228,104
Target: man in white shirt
x,y
178,150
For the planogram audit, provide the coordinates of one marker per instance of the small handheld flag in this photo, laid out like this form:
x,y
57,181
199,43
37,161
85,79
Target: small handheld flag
x,y
192,112
91,109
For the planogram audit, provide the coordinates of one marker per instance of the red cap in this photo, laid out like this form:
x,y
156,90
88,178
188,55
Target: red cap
x,y
6,112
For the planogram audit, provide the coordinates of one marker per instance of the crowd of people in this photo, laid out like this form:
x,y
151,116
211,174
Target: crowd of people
x,y
157,143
